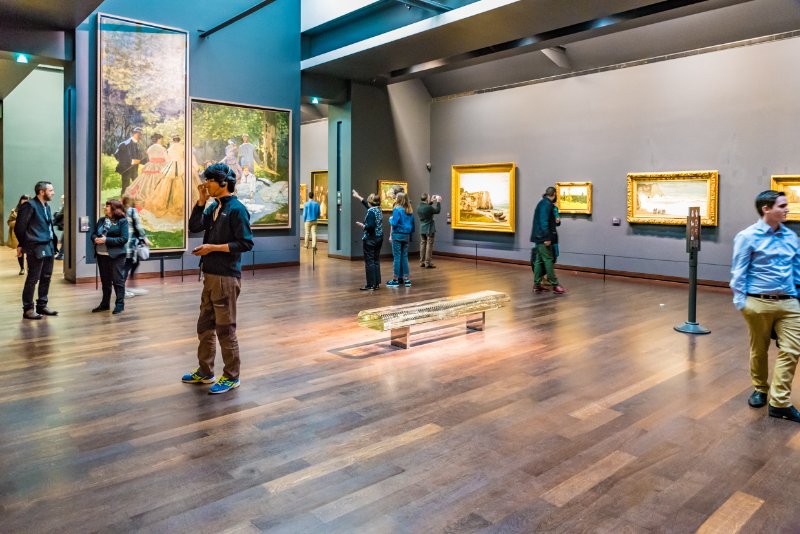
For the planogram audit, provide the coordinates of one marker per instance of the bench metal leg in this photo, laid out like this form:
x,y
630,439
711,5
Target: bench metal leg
x,y
476,321
400,337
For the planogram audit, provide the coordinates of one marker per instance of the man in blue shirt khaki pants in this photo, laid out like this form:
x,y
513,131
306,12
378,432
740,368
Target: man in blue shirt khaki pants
x,y
310,216
765,271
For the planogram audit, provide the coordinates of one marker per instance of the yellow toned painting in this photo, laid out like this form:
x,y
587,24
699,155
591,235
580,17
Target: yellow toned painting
x,y
665,197
483,197
574,197
789,185
384,186
303,194
319,185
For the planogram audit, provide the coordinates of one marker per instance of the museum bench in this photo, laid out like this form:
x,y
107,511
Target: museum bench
x,y
401,317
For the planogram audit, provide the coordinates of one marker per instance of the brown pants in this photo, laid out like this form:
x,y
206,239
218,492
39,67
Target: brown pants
x,y
761,317
218,320
425,249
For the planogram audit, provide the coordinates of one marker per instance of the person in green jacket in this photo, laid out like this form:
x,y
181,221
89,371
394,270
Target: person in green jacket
x,y
428,207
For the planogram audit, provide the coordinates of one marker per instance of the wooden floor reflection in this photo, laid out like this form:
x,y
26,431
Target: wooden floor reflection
x,y
576,413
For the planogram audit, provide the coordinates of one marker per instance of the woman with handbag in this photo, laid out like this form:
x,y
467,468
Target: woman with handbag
x,y
12,238
110,238
138,246
372,239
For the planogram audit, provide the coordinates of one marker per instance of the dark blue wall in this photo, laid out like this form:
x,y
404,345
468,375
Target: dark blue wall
x,y
254,61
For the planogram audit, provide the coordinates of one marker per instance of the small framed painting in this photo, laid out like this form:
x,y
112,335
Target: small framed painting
x,y
574,197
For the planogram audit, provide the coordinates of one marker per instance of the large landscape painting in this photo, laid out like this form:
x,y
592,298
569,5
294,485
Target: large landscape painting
x,y
142,101
665,197
483,197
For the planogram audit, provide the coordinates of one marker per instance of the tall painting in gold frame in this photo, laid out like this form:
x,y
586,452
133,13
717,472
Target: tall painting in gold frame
x,y
303,194
483,197
319,185
384,186
574,197
665,197
789,185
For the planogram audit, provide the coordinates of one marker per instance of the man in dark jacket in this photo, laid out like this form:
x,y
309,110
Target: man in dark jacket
x,y
38,241
226,226
428,207
545,238
129,155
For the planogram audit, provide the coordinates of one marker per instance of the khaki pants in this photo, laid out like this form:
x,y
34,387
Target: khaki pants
x,y
425,249
311,228
218,320
761,317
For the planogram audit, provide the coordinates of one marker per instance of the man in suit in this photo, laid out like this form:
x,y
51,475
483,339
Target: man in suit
x,y
38,241
129,155
427,228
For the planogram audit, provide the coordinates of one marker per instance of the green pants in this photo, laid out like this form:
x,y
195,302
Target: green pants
x,y
761,317
543,264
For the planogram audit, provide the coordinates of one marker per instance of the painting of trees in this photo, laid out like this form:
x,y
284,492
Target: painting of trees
x,y
142,83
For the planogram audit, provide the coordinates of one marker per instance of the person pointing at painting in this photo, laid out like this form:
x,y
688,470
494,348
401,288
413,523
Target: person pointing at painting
x,y
545,239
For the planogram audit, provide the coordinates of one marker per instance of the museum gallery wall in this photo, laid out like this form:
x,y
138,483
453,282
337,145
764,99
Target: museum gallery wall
x,y
667,117
142,105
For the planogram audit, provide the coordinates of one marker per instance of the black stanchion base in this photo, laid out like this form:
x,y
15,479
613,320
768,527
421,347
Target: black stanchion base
x,y
692,328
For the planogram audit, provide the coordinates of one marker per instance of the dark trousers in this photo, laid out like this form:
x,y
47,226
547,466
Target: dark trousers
x,y
112,273
129,176
21,260
372,261
40,270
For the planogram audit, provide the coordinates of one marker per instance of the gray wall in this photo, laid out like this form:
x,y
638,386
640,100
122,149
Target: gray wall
x,y
33,137
733,110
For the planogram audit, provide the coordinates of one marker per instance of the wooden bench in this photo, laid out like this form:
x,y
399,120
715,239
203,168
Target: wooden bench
x,y
400,318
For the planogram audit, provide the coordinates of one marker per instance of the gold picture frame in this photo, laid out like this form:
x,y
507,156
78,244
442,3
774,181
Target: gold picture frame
x,y
319,185
574,197
789,185
303,194
383,188
665,197
484,197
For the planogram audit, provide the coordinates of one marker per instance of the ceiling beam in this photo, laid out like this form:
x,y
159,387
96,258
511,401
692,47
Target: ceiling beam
x,y
237,18
427,4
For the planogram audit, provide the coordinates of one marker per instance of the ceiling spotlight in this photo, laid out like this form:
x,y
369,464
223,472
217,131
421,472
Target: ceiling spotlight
x,y
314,100
22,58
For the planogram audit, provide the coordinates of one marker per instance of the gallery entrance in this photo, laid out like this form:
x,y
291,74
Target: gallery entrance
x,y
31,147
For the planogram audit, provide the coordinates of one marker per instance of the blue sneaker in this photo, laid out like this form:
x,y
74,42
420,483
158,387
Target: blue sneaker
x,y
223,385
393,283
407,282
196,378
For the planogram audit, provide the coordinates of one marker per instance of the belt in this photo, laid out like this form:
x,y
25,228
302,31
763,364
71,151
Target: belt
x,y
771,297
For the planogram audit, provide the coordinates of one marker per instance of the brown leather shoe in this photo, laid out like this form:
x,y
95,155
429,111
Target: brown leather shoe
x,y
44,310
31,314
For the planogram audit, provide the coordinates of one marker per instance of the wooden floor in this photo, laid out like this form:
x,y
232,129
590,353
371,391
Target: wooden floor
x,y
579,413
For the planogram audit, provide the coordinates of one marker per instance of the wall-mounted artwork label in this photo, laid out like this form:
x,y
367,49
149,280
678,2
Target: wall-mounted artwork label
x,y
789,185
483,197
574,197
665,197
384,187
319,185
142,124
255,142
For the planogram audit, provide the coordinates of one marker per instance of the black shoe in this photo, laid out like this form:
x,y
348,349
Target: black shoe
x,y
366,288
21,272
31,314
44,310
100,308
59,256
757,399
790,413
118,309
431,266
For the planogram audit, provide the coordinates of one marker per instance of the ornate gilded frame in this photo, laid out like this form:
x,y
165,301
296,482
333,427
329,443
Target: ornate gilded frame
x,y
780,182
316,178
637,180
460,220
383,187
584,211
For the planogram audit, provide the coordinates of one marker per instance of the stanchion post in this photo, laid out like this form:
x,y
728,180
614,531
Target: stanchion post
x,y
693,222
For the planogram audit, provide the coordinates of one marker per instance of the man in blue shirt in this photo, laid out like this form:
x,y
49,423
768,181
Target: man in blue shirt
x,y
310,216
765,270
